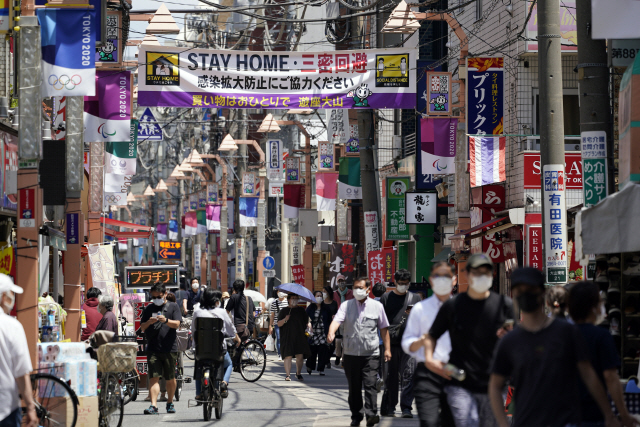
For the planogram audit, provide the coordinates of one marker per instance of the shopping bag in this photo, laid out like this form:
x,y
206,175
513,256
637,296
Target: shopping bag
x,y
270,344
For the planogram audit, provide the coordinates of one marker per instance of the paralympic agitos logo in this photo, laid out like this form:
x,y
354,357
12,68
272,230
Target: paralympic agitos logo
x,y
102,131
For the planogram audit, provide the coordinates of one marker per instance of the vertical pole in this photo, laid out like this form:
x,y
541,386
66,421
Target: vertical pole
x,y
73,274
262,253
551,108
285,267
307,256
96,185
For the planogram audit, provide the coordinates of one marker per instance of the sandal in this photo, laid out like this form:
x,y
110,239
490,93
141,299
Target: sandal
x,y
287,378
224,391
299,377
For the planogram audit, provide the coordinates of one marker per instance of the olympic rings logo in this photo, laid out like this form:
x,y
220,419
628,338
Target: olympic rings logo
x,y
112,198
64,81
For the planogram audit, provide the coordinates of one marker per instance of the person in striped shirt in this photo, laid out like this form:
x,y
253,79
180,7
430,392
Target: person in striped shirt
x,y
277,305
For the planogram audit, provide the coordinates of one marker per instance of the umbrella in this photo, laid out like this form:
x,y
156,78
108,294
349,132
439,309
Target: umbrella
x,y
301,291
255,296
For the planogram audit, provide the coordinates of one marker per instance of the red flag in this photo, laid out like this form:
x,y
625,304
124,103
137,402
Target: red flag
x,y
298,274
293,199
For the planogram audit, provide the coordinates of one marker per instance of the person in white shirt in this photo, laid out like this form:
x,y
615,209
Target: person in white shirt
x,y
15,362
431,399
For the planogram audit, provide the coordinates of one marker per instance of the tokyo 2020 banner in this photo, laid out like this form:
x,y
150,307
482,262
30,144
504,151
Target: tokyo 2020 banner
x,y
372,78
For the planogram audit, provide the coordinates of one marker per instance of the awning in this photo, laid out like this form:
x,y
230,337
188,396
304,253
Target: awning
x,y
465,233
116,223
500,228
611,226
443,255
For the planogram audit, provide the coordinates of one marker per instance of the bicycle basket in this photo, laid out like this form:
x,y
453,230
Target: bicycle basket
x,y
183,340
117,357
209,339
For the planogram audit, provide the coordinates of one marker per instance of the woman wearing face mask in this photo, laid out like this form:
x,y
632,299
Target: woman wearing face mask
x,y
331,305
320,321
210,306
293,321
277,306
108,321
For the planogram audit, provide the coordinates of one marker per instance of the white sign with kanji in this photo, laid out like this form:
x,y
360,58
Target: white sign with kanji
x,y
338,127
421,208
555,212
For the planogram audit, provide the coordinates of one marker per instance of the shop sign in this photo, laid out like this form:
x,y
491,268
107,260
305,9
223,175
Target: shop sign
x,y
485,96
371,232
338,127
73,237
534,247
342,261
438,93
568,28
397,228
341,219
325,161
623,52
421,208
295,248
276,189
239,259
274,155
381,266
26,211
510,257
293,169
6,260
492,199
594,165
573,170
555,235
297,271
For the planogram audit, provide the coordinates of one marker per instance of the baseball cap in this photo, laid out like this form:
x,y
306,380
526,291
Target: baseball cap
x,y
527,276
479,260
340,277
6,284
225,295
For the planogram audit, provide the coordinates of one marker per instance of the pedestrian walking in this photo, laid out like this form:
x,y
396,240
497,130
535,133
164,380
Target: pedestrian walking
x,y
243,309
109,322
557,301
320,319
159,322
395,305
378,290
293,321
91,313
362,318
182,296
475,320
341,295
428,388
586,308
544,358
330,304
194,294
276,306
15,363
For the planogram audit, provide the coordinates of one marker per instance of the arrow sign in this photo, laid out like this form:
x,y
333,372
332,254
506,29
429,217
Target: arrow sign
x,y
170,254
269,263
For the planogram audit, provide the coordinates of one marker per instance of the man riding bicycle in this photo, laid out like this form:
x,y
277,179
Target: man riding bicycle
x,y
210,306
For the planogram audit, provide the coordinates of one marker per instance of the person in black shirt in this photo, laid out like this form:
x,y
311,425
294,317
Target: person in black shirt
x,y
544,357
238,304
587,310
475,321
159,322
395,305
182,295
195,293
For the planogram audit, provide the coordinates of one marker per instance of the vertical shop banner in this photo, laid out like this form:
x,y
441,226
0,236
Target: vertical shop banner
x,y
248,211
296,246
293,169
213,217
555,236
26,208
240,259
594,167
397,228
103,271
438,145
73,237
381,266
349,177
338,126
326,191
325,159
438,93
371,231
212,193
107,115
274,159
485,96
111,50
207,78
297,271
249,180
197,255
421,208
493,199
68,40
343,261
342,229
486,160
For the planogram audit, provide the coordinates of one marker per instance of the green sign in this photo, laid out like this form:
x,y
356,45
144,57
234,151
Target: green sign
x,y
556,275
594,181
397,228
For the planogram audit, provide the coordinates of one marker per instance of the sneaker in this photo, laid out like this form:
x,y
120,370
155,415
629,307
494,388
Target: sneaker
x,y
632,271
337,361
170,408
379,384
279,358
373,420
355,423
224,390
406,413
151,411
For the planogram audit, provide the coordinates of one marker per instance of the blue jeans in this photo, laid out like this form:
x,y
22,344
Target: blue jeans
x,y
13,419
228,368
469,409
277,329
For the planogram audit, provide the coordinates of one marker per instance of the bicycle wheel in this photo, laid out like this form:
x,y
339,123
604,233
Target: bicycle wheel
x,y
219,405
129,382
56,403
191,355
110,402
253,360
207,404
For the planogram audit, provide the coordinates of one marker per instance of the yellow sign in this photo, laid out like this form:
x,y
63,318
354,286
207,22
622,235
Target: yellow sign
x,y
162,69
165,244
392,70
6,260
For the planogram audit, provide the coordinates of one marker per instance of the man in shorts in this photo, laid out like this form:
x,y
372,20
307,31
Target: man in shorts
x,y
159,322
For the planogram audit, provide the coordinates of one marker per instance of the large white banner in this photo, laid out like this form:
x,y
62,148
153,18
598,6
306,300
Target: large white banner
x,y
206,78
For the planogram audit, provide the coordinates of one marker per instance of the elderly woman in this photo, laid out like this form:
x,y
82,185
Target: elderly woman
x,y
292,322
108,321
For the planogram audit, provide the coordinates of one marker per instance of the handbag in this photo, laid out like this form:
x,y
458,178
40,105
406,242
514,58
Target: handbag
x,y
243,330
396,331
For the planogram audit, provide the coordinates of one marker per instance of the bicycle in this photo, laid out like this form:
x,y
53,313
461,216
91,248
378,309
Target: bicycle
x,y
211,391
250,359
129,380
110,400
56,404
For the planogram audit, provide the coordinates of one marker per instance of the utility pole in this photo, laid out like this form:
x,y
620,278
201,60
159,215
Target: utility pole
x,y
593,84
553,183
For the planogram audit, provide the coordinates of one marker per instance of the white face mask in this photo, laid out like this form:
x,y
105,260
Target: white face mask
x,y
9,307
195,286
481,284
442,285
218,304
325,295
402,288
360,294
281,295
158,301
319,300
294,302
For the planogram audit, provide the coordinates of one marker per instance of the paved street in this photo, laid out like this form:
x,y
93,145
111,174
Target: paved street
x,y
319,402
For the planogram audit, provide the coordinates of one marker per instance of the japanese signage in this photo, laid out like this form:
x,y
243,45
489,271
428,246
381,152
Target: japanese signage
x,y
73,237
293,169
629,131
193,202
555,233
423,181
381,266
352,146
197,255
144,277
325,160
276,189
239,249
485,96
371,232
212,193
111,50
421,208
573,170
338,127
439,93
488,200
297,271
594,165
141,357
6,260
568,28
342,221
249,180
343,261
295,248
205,78
170,250
274,159
397,228
26,210
623,52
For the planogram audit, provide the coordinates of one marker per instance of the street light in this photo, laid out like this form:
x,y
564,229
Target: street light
x,y
269,124
161,187
148,192
162,22
228,144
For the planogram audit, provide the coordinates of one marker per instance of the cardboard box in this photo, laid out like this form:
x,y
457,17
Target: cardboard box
x,y
61,410
88,413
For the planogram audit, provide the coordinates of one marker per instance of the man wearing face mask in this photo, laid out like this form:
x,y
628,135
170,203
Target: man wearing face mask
x,y
159,323
195,293
475,320
362,319
395,305
546,358
431,399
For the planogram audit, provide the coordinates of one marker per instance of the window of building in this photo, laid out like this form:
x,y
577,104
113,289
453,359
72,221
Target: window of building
x,y
571,111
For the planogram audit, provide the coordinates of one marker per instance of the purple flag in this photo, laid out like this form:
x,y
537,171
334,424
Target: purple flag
x,y
107,115
213,217
438,145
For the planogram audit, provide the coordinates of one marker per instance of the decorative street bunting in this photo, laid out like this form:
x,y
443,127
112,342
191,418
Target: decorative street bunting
x,y
594,165
438,93
326,190
248,211
107,115
249,180
325,161
293,169
111,50
274,160
555,236
486,160
212,193
438,145
202,199
206,78
162,215
397,228
350,184
293,199
421,208
352,147
193,202
485,96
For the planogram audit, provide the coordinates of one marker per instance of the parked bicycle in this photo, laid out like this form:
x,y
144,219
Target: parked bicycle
x,y
56,403
250,359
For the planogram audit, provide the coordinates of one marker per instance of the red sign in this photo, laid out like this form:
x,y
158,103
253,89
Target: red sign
x,y
381,266
573,170
488,200
141,359
534,246
298,274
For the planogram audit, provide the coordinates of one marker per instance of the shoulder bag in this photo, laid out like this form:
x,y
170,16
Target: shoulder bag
x,y
243,330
